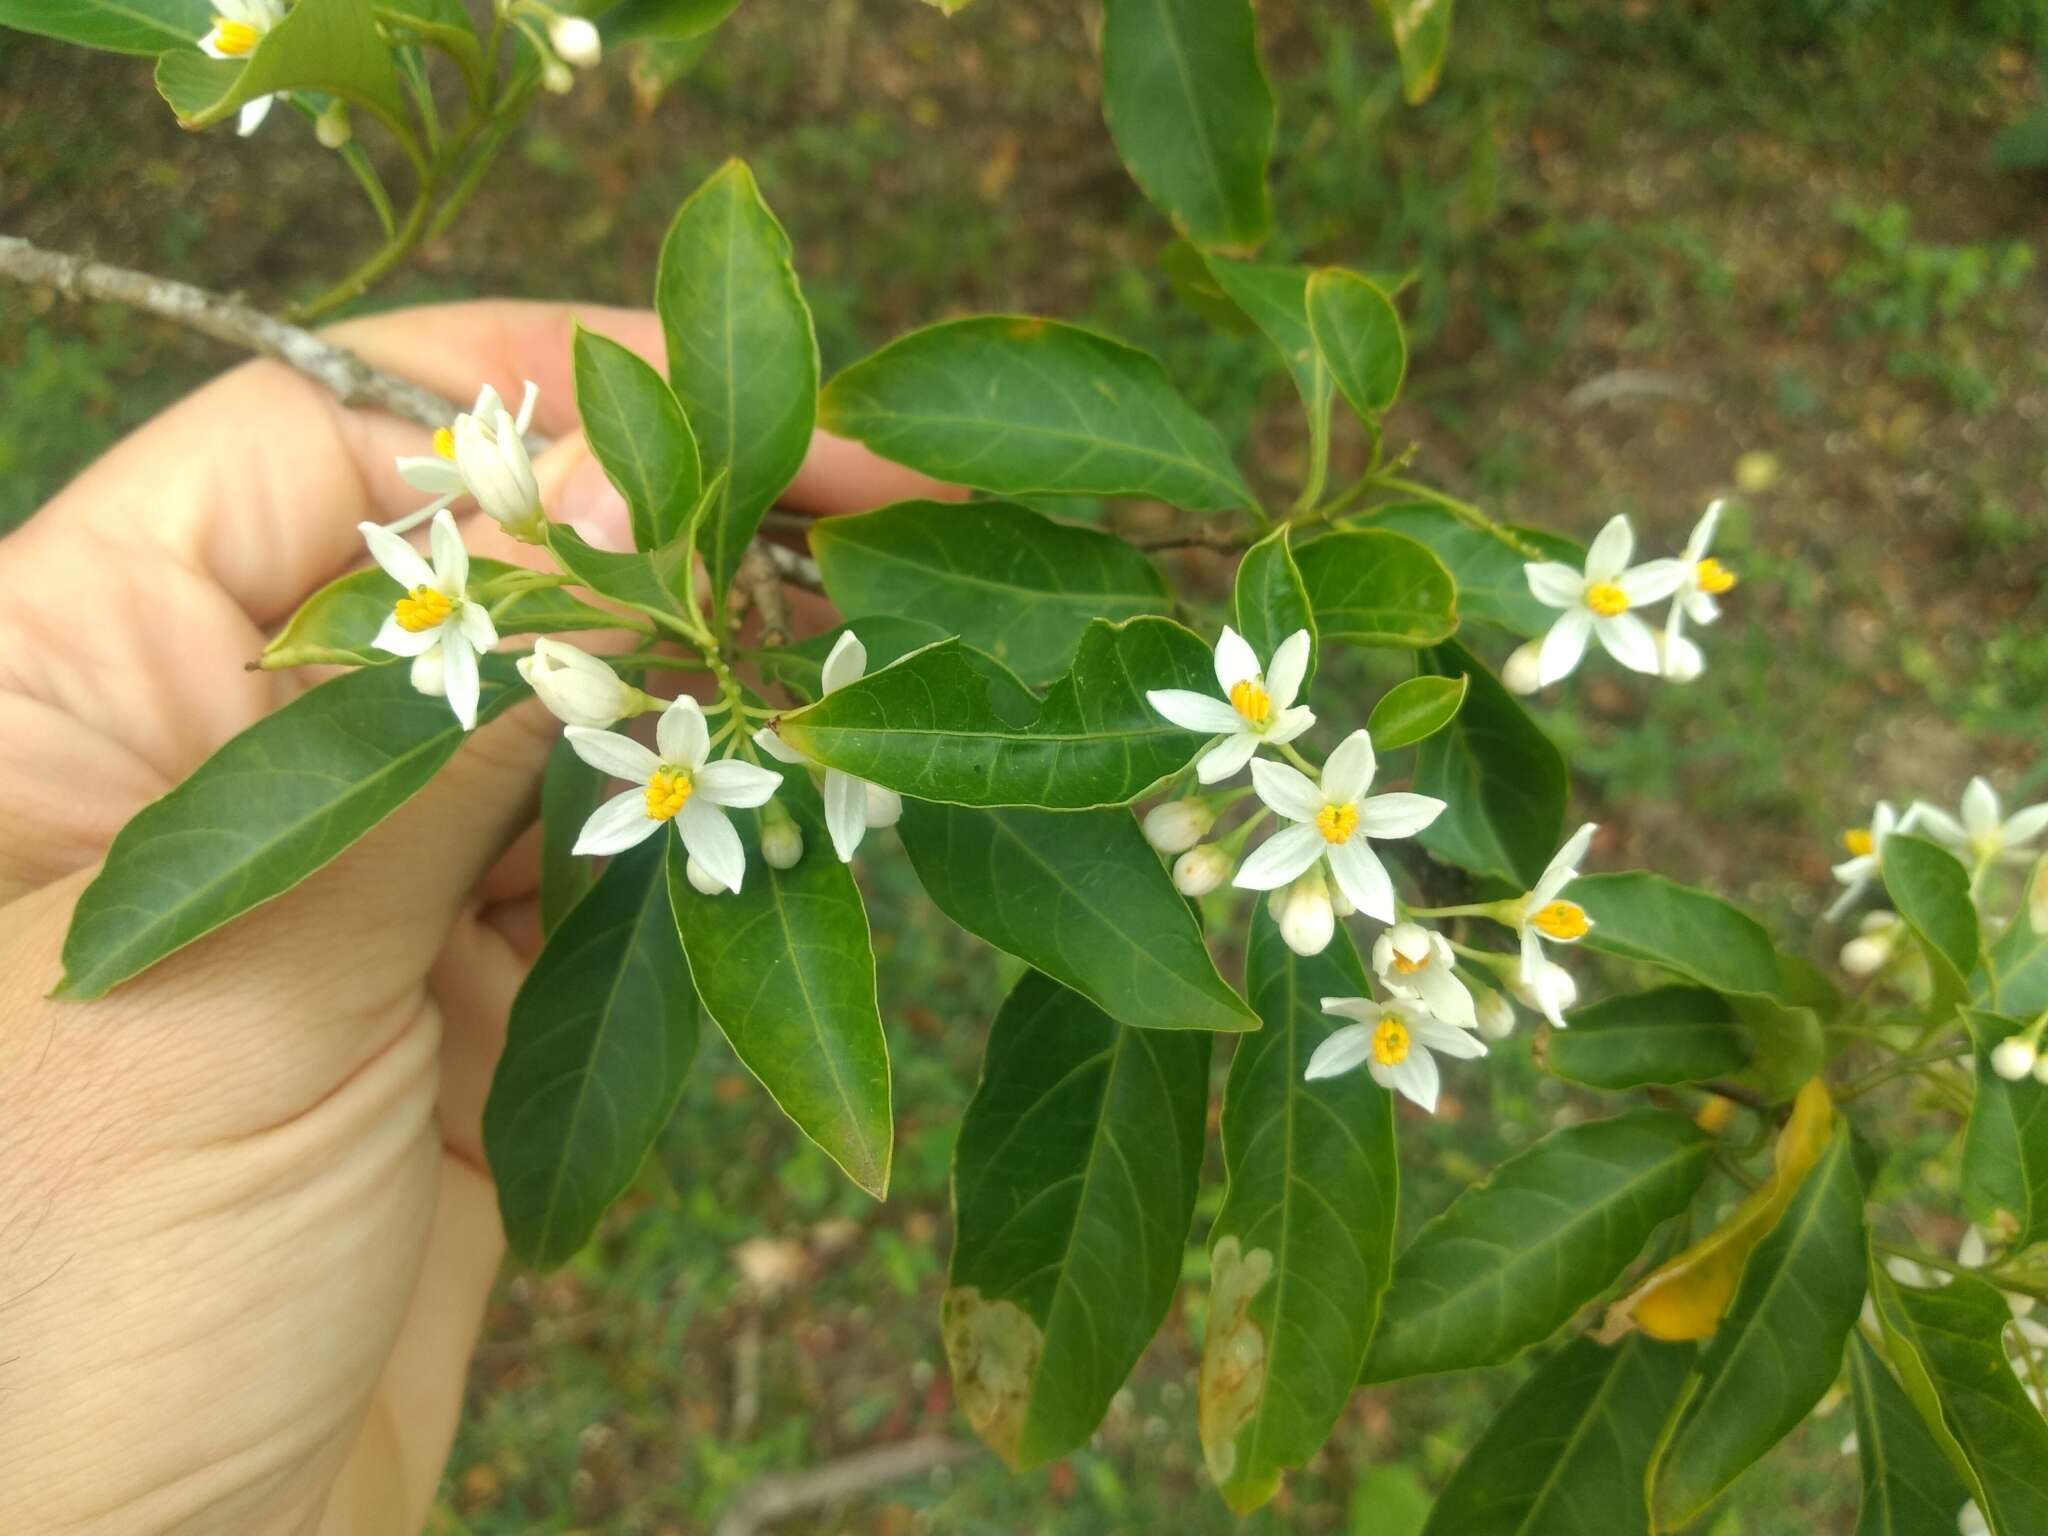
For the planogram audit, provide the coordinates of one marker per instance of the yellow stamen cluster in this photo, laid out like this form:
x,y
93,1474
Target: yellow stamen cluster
x,y
1564,920
234,38
1252,703
667,793
1713,576
1337,822
421,609
1606,599
1859,841
1408,967
1390,1041
444,443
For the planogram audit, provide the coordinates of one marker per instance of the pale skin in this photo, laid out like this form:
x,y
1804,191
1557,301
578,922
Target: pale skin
x,y
246,1228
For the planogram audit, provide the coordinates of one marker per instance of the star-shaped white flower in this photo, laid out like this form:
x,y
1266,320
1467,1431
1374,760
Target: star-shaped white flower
x,y
1543,914
1256,708
677,784
433,621
1394,1040
1984,833
483,455
1334,821
1865,864
1414,962
1549,992
1597,602
238,26
851,805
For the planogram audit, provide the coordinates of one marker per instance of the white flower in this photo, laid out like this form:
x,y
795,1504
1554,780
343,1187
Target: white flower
x,y
1256,707
1983,833
238,26
851,806
1701,578
1522,672
1201,869
2013,1058
1496,1015
575,40
1866,853
1414,962
1597,600
433,621
1549,992
483,454
1334,822
577,688
678,785
1871,950
1174,826
1542,914
1306,916
1394,1039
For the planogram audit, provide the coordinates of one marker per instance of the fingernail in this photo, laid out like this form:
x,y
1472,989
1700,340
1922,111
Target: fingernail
x,y
591,505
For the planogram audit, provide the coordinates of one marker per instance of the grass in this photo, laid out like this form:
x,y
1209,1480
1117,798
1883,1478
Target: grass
x,y
1787,213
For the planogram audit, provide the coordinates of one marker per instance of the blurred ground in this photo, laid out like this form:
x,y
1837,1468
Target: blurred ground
x,y
1667,252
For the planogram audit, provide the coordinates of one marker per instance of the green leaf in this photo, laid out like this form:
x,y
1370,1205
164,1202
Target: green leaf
x,y
1422,706
668,21
266,810
785,968
637,431
1275,299
1021,406
321,45
1358,336
2005,1146
1645,917
118,26
1271,602
1300,1252
1512,1259
1909,1488
335,625
1006,580
570,790
1422,32
1502,780
596,1050
2019,962
948,724
1074,1180
1567,1455
1778,1349
650,583
1375,588
886,637
1486,568
1931,891
1188,105
741,353
1081,896
1665,1035
1948,1346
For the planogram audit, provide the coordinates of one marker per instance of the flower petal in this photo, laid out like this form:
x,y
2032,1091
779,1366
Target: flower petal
x,y
430,473
398,559
477,628
2023,826
1980,809
618,824
621,757
1193,711
777,748
1288,724
848,663
1702,538
1563,645
1348,773
710,839
1629,641
394,637
459,679
681,736
1363,878
885,806
1279,859
1353,1008
451,560
1223,760
1289,666
1397,815
1532,957
1653,580
1235,659
1341,1051
250,118
1563,865
1445,996
1286,790
731,782
1946,828
1608,556
1448,1038
1699,606
1416,1077
846,812
1554,584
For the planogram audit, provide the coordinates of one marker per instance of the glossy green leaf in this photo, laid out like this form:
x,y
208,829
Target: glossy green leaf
x,y
2005,1145
1909,1488
1191,113
2019,962
1487,569
1275,299
1271,602
885,636
265,811
1641,916
1948,1346
1422,34
1422,706
651,583
1567,1455
570,790
786,970
1665,1035
1502,780
1931,890
1300,1252
118,26
1358,336
637,431
598,1044
1074,1180
668,21
1779,1348
1006,580
1020,406
1081,896
1512,1259
1375,588
321,45
741,353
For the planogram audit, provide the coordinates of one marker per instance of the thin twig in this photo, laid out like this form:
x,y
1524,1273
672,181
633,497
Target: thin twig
x,y
780,1496
757,578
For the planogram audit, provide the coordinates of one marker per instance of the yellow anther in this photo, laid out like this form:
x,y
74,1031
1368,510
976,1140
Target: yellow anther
x,y
1409,967
1390,1041
421,609
1337,822
667,793
444,443
1565,920
1713,576
234,38
1252,702
1859,842
1715,1114
1606,599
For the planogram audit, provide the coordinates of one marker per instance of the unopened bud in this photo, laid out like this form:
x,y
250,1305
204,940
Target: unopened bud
x,y
576,40
1178,825
2014,1058
555,77
1201,869
1496,1014
332,127
782,843
577,688
1678,659
702,881
2041,1069
1302,909
885,806
1866,954
1522,672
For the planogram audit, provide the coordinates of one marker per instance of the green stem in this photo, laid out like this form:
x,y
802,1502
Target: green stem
x,y
1904,1067
1287,751
1464,511
379,262
1318,460
356,160
2005,1280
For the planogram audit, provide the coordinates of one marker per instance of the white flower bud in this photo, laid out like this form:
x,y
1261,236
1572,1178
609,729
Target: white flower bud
x,y
555,77
2041,1069
1522,672
494,465
1496,1014
332,127
1866,954
1201,869
1302,909
576,40
702,881
1177,825
885,806
1340,904
782,843
577,688
2014,1058
1678,659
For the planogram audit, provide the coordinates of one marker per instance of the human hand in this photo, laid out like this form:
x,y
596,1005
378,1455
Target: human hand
x,y
246,1230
